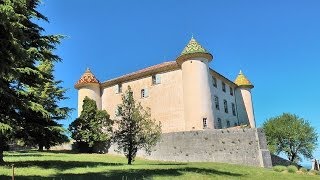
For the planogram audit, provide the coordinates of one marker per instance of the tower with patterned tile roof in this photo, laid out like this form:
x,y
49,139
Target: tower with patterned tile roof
x,y
197,86
244,99
88,85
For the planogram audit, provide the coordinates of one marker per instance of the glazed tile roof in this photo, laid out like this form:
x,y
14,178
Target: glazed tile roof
x,y
86,78
242,80
193,47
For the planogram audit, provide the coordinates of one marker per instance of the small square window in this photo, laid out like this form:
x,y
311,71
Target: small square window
x,y
225,103
216,101
223,87
156,79
118,88
231,91
233,109
214,81
205,125
219,124
228,123
144,93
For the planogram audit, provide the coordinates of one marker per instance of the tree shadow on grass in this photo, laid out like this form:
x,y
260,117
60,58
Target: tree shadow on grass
x,y
61,165
136,174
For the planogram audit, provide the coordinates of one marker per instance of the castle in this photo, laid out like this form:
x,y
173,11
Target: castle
x,y
196,106
185,94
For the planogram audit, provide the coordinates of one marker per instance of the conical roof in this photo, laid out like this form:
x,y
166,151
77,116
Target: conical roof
x,y
87,78
242,80
194,49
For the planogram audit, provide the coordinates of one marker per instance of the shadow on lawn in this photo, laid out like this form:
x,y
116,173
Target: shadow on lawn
x,y
62,165
134,174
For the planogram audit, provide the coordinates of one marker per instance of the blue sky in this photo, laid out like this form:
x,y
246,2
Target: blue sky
x,y
275,43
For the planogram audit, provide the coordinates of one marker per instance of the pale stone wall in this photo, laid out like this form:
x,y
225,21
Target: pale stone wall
x,y
235,146
92,91
165,99
197,89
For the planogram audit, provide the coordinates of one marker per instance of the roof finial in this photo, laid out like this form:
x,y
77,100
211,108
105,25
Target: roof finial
x,y
240,71
88,69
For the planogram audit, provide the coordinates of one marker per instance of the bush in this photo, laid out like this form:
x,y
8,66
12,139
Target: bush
x,y
279,168
304,170
313,172
292,169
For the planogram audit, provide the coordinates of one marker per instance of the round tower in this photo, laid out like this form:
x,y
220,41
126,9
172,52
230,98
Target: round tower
x,y
88,85
197,86
244,98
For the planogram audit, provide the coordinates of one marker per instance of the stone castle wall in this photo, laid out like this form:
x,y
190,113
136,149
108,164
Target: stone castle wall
x,y
236,146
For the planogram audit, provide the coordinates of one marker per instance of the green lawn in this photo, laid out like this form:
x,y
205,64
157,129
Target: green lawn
x,y
66,165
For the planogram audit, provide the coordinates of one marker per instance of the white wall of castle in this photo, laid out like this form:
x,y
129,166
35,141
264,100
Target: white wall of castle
x,y
217,91
165,99
197,91
181,100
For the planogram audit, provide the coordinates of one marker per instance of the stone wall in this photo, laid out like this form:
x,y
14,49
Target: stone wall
x,y
236,146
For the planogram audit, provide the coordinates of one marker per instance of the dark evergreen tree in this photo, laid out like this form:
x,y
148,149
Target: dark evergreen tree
x,y
22,47
136,130
92,127
45,131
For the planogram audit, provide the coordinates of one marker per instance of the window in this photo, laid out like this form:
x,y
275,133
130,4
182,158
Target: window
x,y
214,80
225,103
118,88
205,125
216,101
219,124
156,79
118,110
235,124
231,91
144,93
228,124
233,109
223,87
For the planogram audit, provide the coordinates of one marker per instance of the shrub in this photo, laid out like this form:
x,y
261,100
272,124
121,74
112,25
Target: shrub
x,y
304,170
292,169
312,172
279,168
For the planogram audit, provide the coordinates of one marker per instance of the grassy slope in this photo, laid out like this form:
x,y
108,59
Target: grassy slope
x,y
49,165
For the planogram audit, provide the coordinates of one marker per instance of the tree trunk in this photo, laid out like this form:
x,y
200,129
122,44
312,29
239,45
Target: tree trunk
x,y
40,147
1,149
130,154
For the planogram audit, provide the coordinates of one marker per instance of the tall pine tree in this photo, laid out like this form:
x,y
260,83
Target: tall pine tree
x,y
22,47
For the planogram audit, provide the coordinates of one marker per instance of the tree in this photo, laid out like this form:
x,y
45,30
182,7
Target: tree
x,y
22,47
93,126
41,130
136,130
291,135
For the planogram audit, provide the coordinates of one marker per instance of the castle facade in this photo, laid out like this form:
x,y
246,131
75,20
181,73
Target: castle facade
x,y
185,94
